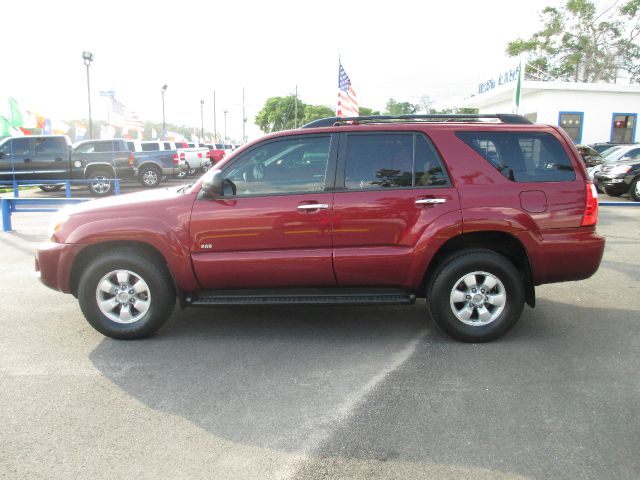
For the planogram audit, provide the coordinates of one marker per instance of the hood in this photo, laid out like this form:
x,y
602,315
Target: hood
x,y
139,200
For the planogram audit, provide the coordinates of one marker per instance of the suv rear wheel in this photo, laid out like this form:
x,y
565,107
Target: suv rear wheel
x,y
150,177
476,296
126,294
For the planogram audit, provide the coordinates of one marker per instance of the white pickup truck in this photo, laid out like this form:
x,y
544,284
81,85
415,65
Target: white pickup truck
x,y
195,158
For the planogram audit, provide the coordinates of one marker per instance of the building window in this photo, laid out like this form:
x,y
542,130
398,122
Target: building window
x,y
571,122
623,127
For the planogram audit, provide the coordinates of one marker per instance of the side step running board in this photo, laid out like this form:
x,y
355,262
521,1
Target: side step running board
x,y
302,297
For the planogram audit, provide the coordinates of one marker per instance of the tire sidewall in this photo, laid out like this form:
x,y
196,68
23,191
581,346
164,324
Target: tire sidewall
x,y
93,176
154,170
438,295
160,288
634,192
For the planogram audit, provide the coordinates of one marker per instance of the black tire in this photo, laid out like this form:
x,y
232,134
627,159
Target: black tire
x,y
634,190
149,176
50,188
100,185
440,295
613,193
139,265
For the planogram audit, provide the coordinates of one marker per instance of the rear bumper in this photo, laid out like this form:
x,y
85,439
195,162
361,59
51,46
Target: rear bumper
x,y
563,255
53,264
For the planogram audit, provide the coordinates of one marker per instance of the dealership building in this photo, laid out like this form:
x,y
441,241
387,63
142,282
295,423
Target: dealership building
x,y
588,112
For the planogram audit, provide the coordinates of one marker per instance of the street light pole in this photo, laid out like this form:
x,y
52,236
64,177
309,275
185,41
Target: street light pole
x,y
225,125
88,58
215,124
164,127
202,120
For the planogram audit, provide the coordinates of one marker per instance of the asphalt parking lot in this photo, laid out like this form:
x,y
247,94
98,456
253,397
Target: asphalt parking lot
x,y
309,393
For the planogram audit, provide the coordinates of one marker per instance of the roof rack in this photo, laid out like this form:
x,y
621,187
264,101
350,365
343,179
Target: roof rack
x,y
508,118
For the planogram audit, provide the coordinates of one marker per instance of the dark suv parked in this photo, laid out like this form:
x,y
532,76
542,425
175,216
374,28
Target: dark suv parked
x,y
469,212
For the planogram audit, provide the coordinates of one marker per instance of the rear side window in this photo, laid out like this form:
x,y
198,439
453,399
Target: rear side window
x,y
150,147
167,146
522,156
50,146
392,160
132,147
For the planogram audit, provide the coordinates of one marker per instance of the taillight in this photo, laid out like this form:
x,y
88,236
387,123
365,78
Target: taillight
x,y
176,159
590,217
183,156
131,159
200,155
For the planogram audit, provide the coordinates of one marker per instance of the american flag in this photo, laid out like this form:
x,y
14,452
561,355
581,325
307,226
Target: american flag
x,y
347,103
123,117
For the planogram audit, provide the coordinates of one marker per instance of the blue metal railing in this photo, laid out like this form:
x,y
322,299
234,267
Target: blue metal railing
x,y
11,205
16,184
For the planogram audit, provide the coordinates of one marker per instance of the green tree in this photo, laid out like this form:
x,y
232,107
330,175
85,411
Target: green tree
x,y
366,112
456,111
315,112
401,108
580,43
278,114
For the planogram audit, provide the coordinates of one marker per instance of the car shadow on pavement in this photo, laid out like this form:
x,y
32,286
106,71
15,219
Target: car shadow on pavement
x,y
547,395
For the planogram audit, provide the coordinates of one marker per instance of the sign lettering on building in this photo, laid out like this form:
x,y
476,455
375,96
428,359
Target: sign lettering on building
x,y
507,76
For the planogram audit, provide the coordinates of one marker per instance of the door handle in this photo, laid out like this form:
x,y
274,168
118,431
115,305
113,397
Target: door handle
x,y
58,159
27,160
313,206
430,201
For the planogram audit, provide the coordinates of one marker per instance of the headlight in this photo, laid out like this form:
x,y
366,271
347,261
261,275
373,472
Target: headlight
x,y
619,170
57,221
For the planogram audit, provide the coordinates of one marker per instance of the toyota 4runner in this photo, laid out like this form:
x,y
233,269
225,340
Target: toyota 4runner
x,y
470,212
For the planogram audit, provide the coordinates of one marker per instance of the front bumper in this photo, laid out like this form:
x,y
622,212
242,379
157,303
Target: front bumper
x,y
53,264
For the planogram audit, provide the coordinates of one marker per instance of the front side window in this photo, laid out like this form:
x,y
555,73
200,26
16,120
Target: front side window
x,y
572,124
522,156
167,146
17,146
103,147
391,160
296,165
85,148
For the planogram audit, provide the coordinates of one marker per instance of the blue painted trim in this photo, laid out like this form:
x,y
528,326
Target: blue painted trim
x,y
581,123
619,204
635,124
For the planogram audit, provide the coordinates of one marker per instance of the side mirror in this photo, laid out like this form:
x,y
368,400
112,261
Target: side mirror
x,y
213,184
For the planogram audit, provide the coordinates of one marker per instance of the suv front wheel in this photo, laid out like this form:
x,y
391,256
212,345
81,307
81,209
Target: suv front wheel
x,y
476,296
126,294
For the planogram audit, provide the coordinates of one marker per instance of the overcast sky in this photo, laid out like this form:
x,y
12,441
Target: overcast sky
x,y
399,49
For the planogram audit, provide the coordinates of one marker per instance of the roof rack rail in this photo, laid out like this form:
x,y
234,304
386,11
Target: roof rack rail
x,y
508,118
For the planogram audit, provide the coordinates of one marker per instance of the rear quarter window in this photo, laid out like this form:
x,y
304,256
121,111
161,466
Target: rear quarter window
x,y
522,156
150,147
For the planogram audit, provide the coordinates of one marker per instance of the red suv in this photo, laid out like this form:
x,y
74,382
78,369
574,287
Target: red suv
x,y
469,212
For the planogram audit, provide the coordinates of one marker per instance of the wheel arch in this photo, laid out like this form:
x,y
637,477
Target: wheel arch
x,y
502,243
92,167
150,164
92,251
